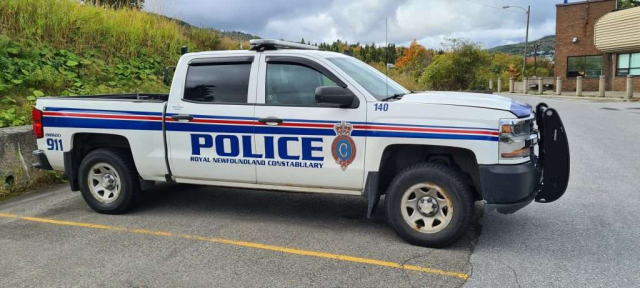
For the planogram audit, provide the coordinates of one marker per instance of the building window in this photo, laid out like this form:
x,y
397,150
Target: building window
x,y
624,4
585,66
628,64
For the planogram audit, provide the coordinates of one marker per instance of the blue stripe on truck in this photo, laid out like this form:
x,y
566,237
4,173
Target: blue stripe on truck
x,y
98,123
187,127
101,123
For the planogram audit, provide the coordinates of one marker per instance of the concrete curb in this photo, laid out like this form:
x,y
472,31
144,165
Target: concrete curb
x,y
586,98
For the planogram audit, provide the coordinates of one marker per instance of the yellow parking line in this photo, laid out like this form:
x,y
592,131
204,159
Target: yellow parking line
x,y
245,244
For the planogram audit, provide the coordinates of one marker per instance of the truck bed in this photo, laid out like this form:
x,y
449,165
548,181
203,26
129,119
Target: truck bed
x,y
137,97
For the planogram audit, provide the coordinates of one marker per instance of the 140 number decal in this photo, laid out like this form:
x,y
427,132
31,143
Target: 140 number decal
x,y
381,107
54,144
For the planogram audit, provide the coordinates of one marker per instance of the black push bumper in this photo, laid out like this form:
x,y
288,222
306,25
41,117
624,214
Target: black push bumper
x,y
509,188
43,161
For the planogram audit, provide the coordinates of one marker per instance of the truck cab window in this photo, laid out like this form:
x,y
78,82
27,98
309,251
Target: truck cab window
x,y
291,84
220,82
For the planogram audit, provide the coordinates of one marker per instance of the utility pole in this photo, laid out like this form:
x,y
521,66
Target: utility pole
x,y
526,39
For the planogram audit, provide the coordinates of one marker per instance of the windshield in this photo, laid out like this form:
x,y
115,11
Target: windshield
x,y
368,77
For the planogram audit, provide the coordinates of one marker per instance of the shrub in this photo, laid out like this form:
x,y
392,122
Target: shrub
x,y
464,67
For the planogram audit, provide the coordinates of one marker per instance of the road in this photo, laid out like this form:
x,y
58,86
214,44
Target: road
x,y
588,238
213,237
182,235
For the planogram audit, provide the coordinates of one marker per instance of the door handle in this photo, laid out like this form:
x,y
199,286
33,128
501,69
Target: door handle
x,y
270,120
182,117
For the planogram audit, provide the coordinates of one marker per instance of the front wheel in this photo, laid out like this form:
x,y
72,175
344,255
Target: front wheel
x,y
108,181
429,204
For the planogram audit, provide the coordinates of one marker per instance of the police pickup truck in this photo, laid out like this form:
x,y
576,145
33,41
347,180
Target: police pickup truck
x,y
288,117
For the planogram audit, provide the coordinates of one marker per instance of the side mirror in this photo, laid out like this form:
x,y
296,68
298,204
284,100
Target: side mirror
x,y
336,95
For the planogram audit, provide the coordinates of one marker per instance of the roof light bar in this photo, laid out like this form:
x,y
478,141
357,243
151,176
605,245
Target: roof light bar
x,y
260,44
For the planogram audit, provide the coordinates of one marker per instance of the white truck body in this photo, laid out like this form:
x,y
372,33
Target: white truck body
x,y
262,145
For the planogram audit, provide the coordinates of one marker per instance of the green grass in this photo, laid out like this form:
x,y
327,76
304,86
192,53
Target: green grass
x,y
123,33
61,47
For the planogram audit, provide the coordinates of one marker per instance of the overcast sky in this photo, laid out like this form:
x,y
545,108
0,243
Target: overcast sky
x,y
429,21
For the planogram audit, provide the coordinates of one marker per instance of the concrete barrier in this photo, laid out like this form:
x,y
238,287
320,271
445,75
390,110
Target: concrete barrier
x,y
491,84
499,85
511,85
16,170
525,85
579,86
601,86
540,89
559,86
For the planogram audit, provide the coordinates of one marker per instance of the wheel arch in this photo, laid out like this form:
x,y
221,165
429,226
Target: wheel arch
x,y
82,144
397,157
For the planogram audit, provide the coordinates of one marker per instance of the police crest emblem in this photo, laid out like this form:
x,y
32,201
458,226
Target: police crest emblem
x,y
343,147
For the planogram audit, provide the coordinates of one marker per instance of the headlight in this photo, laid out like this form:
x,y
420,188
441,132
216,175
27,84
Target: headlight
x,y
517,138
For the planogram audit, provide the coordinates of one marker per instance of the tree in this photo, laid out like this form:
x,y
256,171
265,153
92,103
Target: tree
x,y
390,54
624,4
372,53
415,59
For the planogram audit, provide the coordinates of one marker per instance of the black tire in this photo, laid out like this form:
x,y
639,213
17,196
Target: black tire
x,y
445,178
127,173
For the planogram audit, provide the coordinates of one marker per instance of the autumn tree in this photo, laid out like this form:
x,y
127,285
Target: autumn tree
x,y
415,59
505,66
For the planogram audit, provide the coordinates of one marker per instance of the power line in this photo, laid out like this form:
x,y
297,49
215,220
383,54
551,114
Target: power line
x,y
494,7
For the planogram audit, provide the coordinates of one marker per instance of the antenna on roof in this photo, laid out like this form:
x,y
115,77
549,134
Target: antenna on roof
x,y
386,55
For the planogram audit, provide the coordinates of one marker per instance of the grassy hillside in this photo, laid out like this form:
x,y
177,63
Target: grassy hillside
x,y
546,43
61,47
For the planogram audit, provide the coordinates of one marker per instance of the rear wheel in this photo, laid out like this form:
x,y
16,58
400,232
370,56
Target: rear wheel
x,y
429,204
109,181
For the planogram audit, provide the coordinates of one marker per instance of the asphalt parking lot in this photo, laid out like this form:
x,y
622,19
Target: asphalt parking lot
x,y
182,235
589,237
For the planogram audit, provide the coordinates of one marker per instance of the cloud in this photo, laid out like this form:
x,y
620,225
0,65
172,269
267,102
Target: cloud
x,y
428,21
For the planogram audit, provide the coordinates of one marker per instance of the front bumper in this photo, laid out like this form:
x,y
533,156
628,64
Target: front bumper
x,y
43,161
509,188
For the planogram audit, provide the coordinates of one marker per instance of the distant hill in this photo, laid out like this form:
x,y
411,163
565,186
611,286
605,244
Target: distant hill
x,y
235,35
547,43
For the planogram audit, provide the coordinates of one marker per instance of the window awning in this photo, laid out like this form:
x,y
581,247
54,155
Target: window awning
x,y
618,31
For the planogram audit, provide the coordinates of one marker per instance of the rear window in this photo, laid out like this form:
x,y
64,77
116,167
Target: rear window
x,y
218,83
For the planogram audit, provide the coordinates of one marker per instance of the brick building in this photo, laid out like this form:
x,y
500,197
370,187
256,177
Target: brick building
x,y
597,37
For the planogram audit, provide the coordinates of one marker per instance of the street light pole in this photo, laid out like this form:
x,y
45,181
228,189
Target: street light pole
x,y
526,39
526,42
